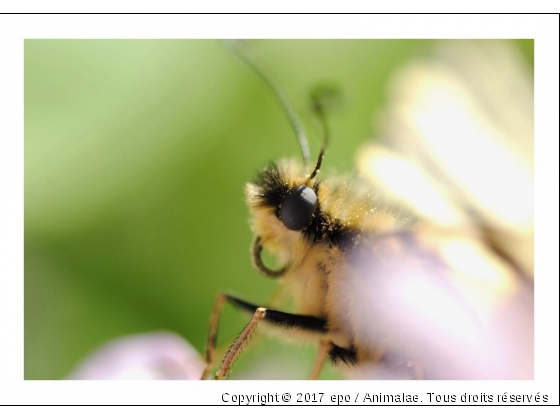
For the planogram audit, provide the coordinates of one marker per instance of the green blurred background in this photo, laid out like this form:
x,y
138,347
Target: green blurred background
x,y
136,156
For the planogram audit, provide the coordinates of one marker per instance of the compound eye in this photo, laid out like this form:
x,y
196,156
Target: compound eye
x,y
298,208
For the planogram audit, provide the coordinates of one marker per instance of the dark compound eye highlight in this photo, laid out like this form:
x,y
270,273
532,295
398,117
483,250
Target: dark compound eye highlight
x,y
298,208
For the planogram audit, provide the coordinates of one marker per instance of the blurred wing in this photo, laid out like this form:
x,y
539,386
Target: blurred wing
x,y
456,146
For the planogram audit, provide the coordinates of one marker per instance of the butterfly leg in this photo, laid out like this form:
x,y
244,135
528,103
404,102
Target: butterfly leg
x,y
271,316
325,347
213,334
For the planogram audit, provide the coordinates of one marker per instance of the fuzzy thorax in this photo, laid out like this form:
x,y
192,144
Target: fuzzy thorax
x,y
345,216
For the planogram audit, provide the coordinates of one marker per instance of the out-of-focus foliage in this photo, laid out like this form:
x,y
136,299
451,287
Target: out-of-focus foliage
x,y
136,155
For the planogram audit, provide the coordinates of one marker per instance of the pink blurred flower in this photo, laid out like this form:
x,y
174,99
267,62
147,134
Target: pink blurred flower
x,y
156,355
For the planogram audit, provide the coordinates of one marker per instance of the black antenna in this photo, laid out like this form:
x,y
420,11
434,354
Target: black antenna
x,y
319,99
239,47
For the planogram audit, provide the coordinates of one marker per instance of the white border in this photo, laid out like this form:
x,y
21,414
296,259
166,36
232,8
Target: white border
x,y
15,28
256,6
